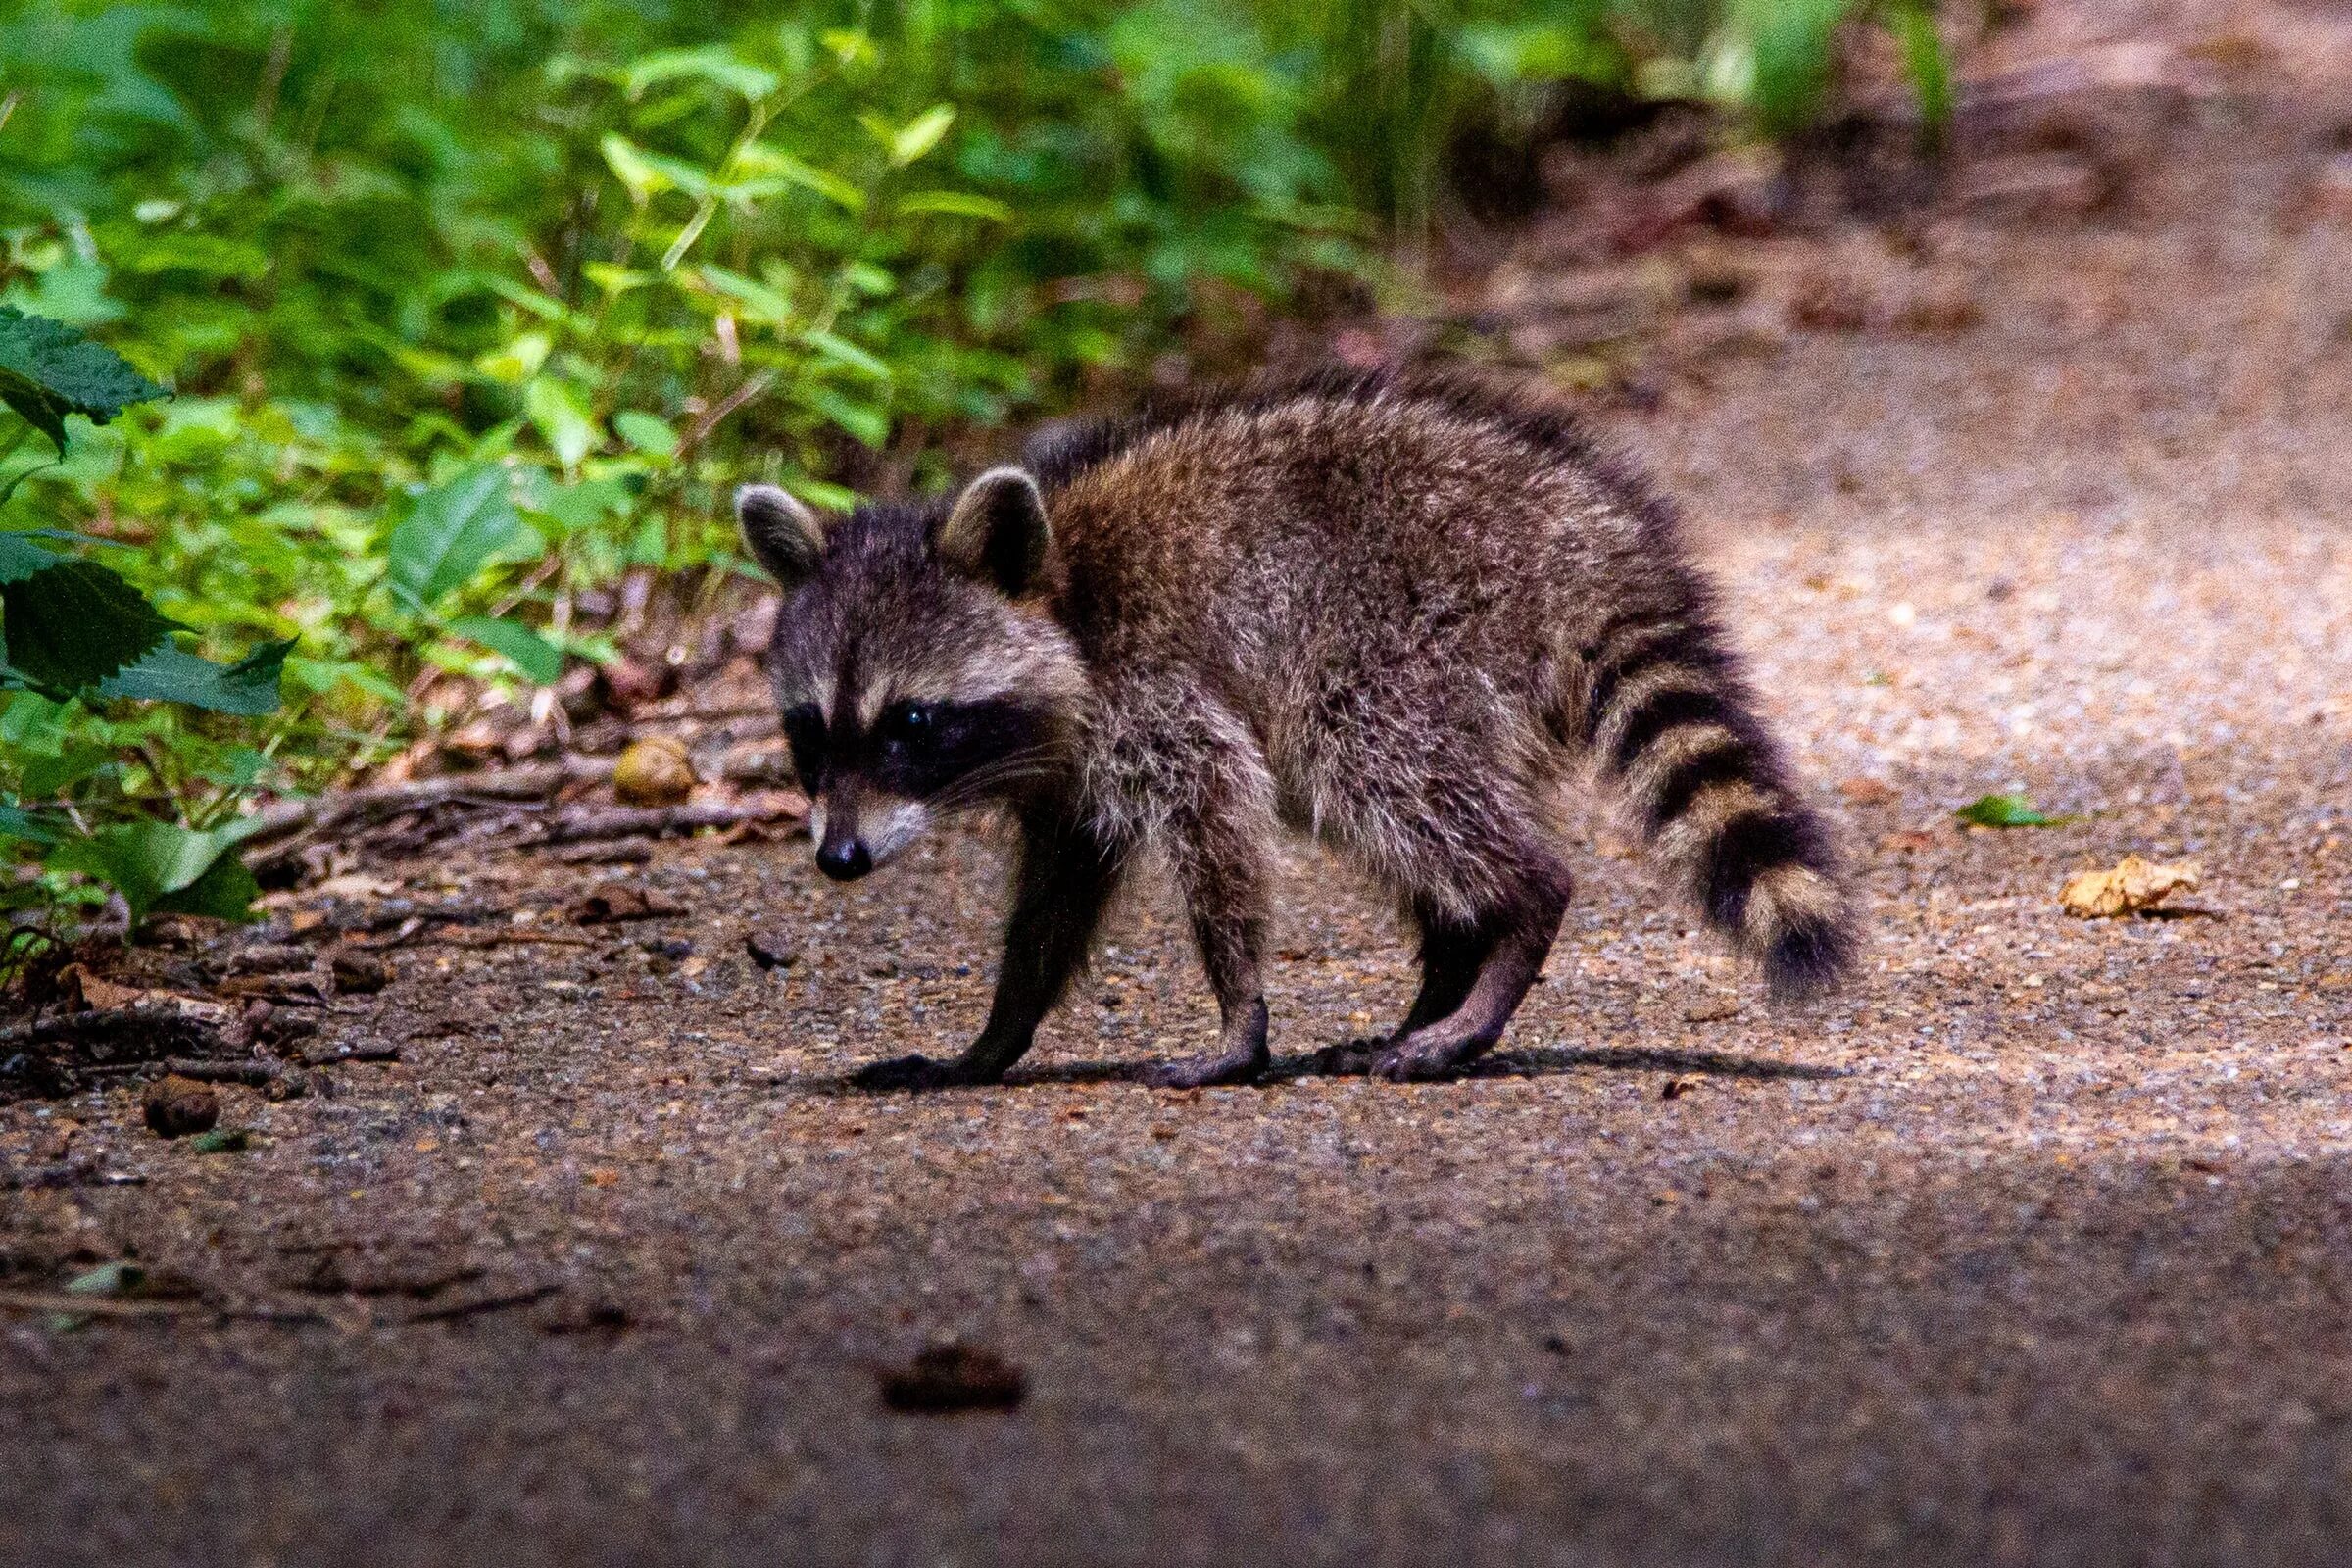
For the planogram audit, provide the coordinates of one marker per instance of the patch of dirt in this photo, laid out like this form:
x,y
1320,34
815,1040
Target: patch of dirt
x,y
2031,1247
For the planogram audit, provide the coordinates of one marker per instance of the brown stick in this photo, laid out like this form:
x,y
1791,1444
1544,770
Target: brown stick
x,y
375,803
585,824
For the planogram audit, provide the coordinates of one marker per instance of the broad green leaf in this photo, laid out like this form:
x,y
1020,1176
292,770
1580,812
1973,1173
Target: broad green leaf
x,y
562,419
2007,811
758,302
453,531
164,866
863,420
646,433
75,624
48,371
39,779
518,361
247,688
956,203
539,660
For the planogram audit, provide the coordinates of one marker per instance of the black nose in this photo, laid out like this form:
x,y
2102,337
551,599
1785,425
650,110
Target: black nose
x,y
844,862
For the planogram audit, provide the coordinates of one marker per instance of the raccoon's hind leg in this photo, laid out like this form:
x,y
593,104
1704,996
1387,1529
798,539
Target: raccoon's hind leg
x,y
1065,877
1491,960
1451,954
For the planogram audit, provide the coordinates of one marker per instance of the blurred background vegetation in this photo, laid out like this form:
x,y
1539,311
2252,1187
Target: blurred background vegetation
x,y
473,309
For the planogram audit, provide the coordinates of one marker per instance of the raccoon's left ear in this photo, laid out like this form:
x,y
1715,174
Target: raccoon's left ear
x,y
997,532
784,535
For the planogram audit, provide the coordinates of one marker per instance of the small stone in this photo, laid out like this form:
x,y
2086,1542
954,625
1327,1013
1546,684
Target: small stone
x,y
359,972
951,1377
654,771
178,1107
770,950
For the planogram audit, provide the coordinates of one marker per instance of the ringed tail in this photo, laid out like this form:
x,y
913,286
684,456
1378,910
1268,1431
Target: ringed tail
x,y
1674,725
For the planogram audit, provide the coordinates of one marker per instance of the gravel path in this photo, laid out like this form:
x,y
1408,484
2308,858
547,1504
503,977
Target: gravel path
x,y
2035,1247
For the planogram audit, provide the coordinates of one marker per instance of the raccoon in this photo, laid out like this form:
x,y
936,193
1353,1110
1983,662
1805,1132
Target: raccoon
x,y
1396,615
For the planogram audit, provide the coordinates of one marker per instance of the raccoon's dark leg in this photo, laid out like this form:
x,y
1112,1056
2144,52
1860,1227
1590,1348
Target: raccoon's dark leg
x,y
1451,954
1065,878
1513,939
1219,856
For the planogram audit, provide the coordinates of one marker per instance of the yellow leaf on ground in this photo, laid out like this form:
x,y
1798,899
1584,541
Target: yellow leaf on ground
x,y
2135,884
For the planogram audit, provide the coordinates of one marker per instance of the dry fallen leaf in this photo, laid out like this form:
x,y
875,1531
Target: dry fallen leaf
x,y
611,906
2135,884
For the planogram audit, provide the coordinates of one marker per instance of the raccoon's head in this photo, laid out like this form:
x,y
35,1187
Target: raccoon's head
x,y
916,663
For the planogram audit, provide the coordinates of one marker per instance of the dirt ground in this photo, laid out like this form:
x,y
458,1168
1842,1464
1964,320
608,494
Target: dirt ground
x,y
2034,1247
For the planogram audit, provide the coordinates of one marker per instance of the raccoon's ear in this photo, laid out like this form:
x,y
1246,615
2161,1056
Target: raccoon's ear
x,y
997,532
783,534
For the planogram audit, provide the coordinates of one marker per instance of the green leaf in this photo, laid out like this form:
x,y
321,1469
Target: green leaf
x,y
39,779
920,134
714,64
20,555
453,531
247,688
2007,811
539,660
164,866
1926,65
956,203
75,624
633,168
646,433
48,371
562,419
225,892
1794,43
16,823
842,351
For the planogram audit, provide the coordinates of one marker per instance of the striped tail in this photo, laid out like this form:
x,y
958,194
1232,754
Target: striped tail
x,y
1674,724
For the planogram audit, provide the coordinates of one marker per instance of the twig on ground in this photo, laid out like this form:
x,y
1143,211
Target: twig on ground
x,y
487,1303
154,1031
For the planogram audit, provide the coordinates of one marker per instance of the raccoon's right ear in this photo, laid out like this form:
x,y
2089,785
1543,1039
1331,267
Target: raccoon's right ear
x,y
997,533
783,534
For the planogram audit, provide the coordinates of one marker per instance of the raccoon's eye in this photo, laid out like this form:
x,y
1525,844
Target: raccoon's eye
x,y
905,723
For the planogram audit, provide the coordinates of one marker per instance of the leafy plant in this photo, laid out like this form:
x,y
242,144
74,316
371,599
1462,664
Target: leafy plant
x,y
75,636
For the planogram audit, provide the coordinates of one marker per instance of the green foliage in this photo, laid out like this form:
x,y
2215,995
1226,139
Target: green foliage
x,y
162,867
474,310
75,624
48,371
2007,811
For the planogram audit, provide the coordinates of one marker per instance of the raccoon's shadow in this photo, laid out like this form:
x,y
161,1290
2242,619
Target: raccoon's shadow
x,y
1536,1062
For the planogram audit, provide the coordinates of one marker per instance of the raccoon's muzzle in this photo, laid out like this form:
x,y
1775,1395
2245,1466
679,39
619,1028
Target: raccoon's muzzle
x,y
844,860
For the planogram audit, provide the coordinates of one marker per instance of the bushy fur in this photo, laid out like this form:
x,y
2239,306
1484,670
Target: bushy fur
x,y
1394,614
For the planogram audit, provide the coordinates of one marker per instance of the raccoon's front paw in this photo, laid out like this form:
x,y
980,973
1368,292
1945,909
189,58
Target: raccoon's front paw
x,y
1418,1059
1200,1072
915,1074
